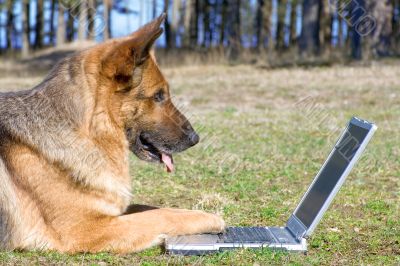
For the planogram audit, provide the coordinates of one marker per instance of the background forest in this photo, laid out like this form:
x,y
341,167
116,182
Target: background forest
x,y
333,29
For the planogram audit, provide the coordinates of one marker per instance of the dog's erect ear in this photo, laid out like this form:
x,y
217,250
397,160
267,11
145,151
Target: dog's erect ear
x,y
133,50
148,34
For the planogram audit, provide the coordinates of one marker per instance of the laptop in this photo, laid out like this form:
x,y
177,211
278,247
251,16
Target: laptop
x,y
306,216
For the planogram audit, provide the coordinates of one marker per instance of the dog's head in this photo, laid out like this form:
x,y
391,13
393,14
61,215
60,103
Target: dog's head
x,y
141,99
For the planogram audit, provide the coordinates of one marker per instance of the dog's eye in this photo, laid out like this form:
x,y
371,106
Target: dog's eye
x,y
159,96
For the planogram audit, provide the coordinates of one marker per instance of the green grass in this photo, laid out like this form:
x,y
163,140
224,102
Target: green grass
x,y
258,154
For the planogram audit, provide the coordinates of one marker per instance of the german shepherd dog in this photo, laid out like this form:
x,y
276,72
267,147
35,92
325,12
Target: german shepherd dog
x,y
64,147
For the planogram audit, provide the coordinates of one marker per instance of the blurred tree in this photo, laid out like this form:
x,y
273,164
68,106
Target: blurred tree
x,y
39,24
52,25
268,25
234,38
9,24
187,20
25,28
61,27
107,6
259,23
83,18
176,5
383,12
396,27
71,25
91,4
280,29
326,27
340,24
293,23
309,43
1,26
167,28
357,11
222,29
206,10
194,23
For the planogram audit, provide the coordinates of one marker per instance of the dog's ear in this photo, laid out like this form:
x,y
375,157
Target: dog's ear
x,y
132,51
148,34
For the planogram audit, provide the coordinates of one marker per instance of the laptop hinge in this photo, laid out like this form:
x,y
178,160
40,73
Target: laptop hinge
x,y
296,227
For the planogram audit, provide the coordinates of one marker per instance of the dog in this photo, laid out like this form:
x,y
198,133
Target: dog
x,y
64,148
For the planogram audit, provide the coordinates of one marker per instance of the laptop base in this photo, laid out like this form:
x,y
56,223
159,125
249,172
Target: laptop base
x,y
278,238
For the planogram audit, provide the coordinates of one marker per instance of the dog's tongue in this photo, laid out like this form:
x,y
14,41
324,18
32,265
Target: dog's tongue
x,y
168,161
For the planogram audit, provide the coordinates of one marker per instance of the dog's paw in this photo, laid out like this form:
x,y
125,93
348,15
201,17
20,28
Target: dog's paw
x,y
159,240
219,224
213,223
188,222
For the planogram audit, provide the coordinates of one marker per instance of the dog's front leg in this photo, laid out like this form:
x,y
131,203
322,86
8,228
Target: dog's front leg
x,y
135,232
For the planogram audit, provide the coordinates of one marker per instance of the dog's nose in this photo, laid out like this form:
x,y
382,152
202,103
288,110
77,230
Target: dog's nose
x,y
193,138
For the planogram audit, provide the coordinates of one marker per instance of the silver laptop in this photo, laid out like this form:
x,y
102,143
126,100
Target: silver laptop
x,y
305,217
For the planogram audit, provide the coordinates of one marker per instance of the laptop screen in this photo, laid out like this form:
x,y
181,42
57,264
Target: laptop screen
x,y
328,177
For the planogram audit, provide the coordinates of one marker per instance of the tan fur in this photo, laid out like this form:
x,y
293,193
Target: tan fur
x,y
64,146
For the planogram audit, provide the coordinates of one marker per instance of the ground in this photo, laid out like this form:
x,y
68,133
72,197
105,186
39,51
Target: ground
x,y
264,135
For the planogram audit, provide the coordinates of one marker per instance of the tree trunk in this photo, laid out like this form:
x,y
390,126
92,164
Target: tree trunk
x,y
340,25
61,34
224,10
10,24
91,4
234,41
309,39
326,28
82,26
39,24
293,23
70,27
107,19
345,7
194,23
167,28
110,3
280,31
396,27
268,26
52,15
259,24
186,23
206,23
383,11
175,22
1,28
357,11
25,28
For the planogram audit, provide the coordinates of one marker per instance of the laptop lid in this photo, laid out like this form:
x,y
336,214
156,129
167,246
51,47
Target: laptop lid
x,y
330,178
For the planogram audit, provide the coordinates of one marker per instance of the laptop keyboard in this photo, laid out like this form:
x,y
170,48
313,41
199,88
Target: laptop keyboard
x,y
246,235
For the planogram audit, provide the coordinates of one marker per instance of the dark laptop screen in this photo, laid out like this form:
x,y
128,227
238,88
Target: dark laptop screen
x,y
329,176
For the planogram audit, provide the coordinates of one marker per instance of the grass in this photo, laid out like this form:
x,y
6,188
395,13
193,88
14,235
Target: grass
x,y
265,134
